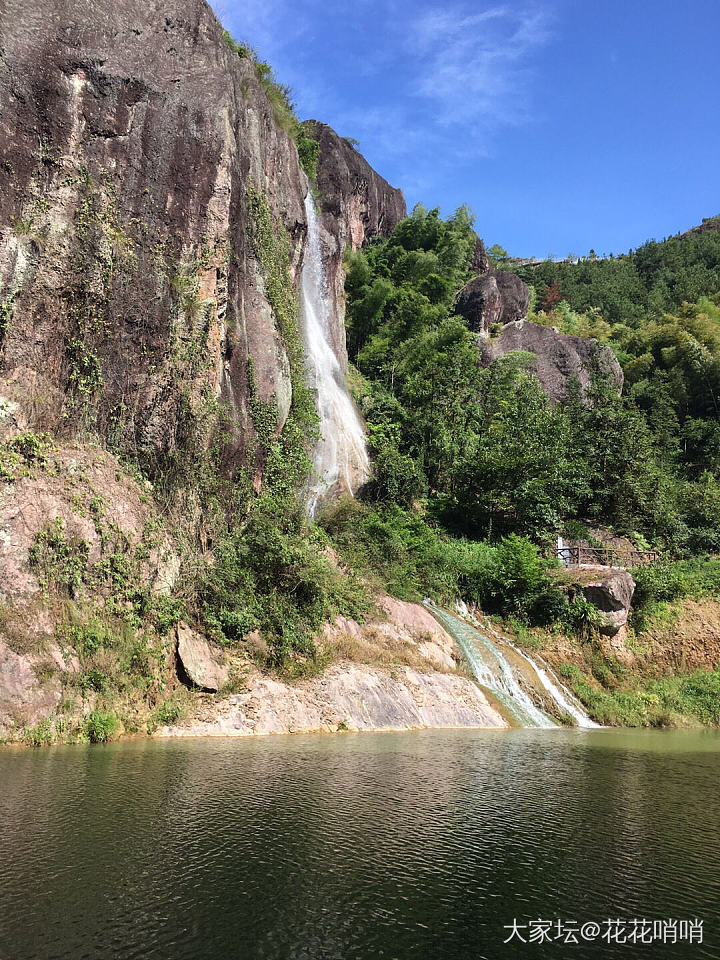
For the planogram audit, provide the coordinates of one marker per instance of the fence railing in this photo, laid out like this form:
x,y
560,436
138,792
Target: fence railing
x,y
606,556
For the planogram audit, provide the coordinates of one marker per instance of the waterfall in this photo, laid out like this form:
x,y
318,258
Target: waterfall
x,y
340,458
492,670
497,663
553,686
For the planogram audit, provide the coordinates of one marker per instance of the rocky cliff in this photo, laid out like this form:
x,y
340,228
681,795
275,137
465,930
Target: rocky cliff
x,y
152,237
132,137
558,357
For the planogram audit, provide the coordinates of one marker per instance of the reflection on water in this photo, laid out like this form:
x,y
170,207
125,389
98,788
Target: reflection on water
x,y
356,846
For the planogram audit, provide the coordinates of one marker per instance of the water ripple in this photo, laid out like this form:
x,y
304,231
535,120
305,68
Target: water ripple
x,y
391,845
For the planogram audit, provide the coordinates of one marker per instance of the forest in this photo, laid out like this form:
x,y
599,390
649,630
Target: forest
x,y
471,460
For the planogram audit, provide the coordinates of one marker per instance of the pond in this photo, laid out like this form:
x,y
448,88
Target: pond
x,y
428,844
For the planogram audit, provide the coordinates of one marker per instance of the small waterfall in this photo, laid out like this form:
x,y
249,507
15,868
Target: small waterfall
x,y
340,458
553,686
490,658
550,682
492,669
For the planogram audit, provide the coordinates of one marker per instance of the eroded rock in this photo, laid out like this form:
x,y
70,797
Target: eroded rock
x,y
612,594
346,697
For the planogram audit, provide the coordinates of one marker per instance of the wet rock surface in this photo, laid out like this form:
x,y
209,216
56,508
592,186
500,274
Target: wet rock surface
x,y
356,204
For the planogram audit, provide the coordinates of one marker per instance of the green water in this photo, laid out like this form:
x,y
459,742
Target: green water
x,y
365,845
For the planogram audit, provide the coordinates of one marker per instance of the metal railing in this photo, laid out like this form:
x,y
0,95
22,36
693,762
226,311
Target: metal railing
x,y
606,556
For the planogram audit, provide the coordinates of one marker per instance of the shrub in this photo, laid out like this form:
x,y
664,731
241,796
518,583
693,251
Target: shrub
x,y
168,713
59,560
308,153
100,726
41,735
21,452
662,581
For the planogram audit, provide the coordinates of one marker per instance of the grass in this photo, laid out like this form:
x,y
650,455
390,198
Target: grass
x,y
101,726
680,700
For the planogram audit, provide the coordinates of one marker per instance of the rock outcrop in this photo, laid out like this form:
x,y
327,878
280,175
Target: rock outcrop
x,y
396,671
611,592
356,204
131,135
557,356
500,297
492,296
346,697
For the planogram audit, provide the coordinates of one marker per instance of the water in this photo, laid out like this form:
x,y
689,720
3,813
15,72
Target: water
x,y
492,670
563,699
340,458
421,845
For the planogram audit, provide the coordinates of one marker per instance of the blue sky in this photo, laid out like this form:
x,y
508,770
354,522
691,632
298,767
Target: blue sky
x,y
564,125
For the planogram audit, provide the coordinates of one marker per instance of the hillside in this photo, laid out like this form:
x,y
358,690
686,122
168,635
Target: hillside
x,y
253,414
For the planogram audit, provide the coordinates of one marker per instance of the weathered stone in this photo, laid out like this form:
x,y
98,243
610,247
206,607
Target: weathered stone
x,y
26,696
200,663
130,134
515,296
480,262
557,356
492,298
479,303
346,697
612,594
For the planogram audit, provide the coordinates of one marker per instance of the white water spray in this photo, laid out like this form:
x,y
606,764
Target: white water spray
x,y
340,458
554,687
492,669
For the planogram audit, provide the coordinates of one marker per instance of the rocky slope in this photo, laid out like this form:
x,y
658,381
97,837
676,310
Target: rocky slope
x,y
396,672
499,299
558,357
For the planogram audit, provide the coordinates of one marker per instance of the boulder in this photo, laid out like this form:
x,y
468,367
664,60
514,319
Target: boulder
x,y
557,356
514,295
199,663
612,594
492,298
479,303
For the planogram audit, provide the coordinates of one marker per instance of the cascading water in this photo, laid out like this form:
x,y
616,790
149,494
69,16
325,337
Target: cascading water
x,y
492,670
490,661
553,686
340,459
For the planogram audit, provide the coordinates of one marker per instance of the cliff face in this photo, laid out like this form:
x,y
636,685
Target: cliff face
x,y
131,135
356,204
142,170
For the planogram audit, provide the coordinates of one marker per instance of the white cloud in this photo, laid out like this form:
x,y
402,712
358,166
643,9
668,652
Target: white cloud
x,y
423,86
474,67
